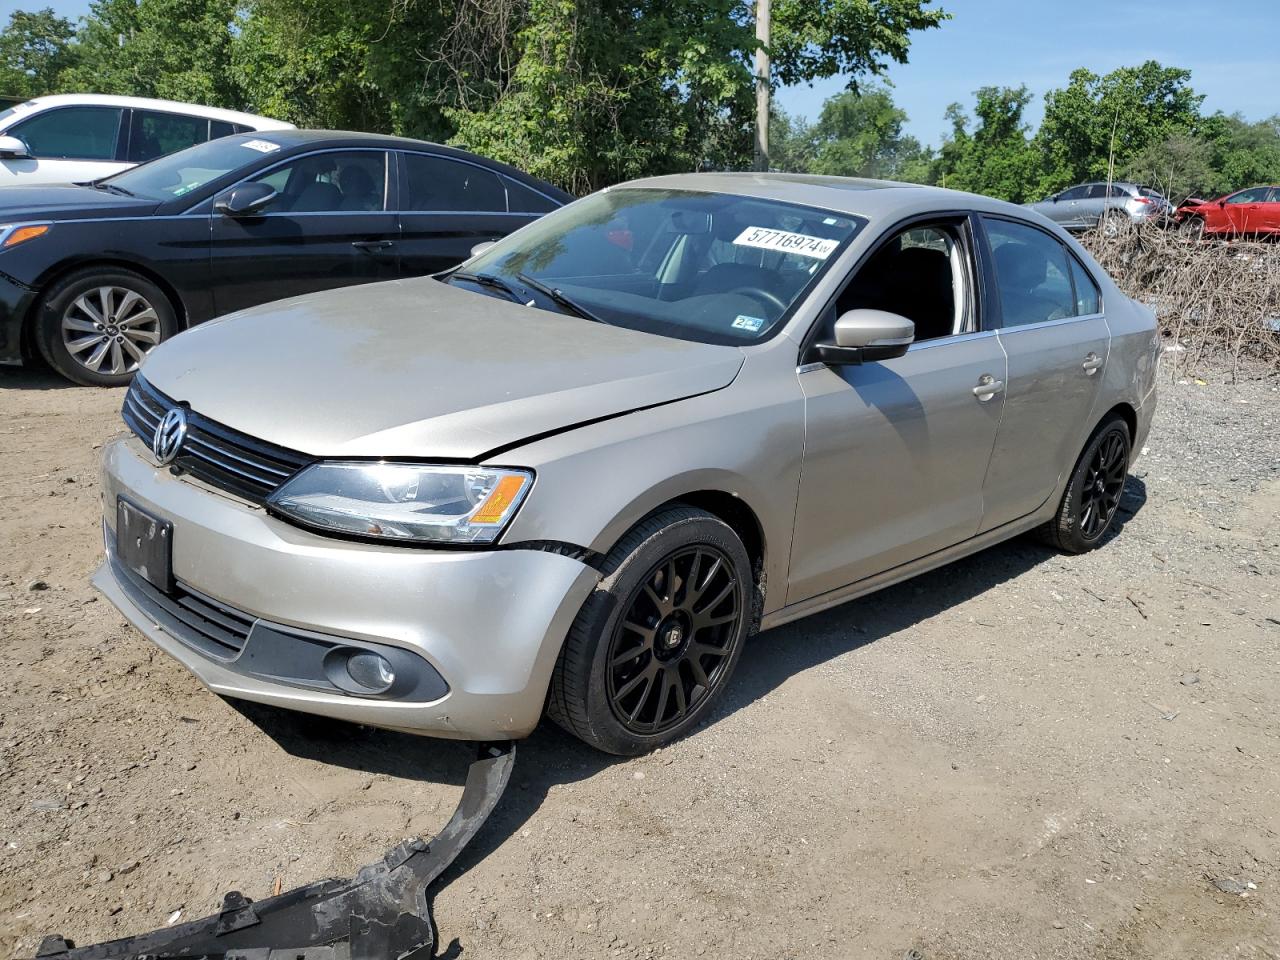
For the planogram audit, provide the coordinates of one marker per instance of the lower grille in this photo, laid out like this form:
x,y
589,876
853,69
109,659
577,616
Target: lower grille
x,y
202,623
225,458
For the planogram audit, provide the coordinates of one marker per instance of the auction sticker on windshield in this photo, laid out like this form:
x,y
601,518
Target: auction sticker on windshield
x,y
819,248
262,146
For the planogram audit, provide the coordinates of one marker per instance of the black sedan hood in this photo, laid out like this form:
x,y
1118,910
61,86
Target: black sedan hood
x,y
68,202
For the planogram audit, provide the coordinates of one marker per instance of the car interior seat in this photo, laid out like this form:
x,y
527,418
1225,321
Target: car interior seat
x,y
358,189
1022,270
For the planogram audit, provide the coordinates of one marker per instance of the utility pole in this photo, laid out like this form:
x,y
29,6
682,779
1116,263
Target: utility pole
x,y
762,85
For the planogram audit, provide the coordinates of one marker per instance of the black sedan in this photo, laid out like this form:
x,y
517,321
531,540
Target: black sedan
x,y
92,276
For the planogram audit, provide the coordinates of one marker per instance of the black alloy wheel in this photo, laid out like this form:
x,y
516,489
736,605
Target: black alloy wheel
x,y
672,645
654,646
1092,497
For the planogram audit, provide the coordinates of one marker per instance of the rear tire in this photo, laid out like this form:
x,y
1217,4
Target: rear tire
x,y
94,326
654,646
1088,506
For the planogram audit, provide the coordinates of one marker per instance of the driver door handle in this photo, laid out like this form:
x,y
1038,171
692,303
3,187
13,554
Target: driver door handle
x,y
372,244
988,386
1092,364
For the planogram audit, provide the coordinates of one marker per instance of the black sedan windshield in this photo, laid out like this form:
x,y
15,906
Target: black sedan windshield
x,y
712,267
179,173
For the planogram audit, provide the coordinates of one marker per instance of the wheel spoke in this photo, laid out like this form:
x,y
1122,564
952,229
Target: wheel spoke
x,y
142,316
665,681
701,588
104,302
138,335
699,674
132,349
644,696
82,303
80,326
633,683
117,357
84,343
720,598
126,304
95,359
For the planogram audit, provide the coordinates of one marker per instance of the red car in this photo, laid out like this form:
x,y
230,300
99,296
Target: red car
x,y
1251,212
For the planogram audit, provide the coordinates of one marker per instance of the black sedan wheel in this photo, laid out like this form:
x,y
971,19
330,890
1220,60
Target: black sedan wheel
x,y
96,326
655,644
1093,494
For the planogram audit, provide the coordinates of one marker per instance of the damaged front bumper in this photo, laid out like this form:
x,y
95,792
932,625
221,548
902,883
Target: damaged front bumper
x,y
383,913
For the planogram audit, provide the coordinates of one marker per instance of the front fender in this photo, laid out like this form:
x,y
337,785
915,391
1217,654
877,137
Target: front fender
x,y
596,482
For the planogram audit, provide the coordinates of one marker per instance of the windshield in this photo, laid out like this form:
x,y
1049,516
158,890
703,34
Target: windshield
x,y
711,267
179,173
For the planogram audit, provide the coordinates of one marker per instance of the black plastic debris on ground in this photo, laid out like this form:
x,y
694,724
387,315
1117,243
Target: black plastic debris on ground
x,y
384,913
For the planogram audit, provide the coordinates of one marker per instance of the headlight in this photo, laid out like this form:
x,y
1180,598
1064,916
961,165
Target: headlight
x,y
405,501
12,234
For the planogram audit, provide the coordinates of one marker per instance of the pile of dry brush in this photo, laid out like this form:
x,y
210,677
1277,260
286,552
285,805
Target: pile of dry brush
x,y
1211,298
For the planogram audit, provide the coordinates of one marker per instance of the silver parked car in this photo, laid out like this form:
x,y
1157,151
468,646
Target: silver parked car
x,y
574,474
1090,205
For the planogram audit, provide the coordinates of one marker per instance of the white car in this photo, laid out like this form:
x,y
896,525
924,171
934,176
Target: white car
x,y
71,138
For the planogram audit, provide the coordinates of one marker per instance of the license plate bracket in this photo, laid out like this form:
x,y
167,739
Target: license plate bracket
x,y
144,544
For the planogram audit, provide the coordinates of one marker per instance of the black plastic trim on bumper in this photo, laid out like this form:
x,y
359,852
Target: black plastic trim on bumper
x,y
269,651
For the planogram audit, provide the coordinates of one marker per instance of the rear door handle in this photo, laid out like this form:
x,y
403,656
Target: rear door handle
x,y
1092,364
372,244
988,386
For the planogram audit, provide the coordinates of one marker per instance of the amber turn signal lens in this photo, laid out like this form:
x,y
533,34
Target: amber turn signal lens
x,y
496,504
23,234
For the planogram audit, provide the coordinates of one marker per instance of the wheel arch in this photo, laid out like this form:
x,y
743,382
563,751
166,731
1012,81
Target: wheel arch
x,y
1127,412
66,268
732,508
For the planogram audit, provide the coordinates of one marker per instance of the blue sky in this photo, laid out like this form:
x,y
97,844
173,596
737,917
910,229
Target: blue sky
x,y
1227,44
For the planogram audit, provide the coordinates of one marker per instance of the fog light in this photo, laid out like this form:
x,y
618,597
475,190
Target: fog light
x,y
371,671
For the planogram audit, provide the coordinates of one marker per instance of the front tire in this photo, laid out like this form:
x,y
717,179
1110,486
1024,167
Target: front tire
x,y
1089,503
1193,229
654,646
96,325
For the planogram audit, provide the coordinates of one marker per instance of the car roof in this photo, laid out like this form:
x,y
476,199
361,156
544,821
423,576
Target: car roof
x,y
873,199
147,103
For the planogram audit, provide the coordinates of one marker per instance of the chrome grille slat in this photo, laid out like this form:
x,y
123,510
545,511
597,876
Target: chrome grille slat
x,y
223,450
217,454
222,464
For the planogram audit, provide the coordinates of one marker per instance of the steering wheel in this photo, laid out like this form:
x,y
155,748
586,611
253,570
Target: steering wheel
x,y
763,295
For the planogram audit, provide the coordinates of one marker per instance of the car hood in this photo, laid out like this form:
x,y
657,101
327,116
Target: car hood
x,y
419,368
67,201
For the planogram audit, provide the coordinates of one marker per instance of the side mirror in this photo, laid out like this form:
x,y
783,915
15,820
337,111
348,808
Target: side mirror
x,y
1054,198
245,200
481,247
866,336
12,148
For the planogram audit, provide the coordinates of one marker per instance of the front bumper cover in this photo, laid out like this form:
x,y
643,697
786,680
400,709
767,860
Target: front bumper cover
x,y
489,622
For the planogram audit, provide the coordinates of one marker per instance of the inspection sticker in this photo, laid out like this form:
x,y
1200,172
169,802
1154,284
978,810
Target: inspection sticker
x,y
262,146
819,248
743,322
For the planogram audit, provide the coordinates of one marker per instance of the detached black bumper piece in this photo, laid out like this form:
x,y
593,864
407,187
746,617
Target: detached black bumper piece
x,y
382,914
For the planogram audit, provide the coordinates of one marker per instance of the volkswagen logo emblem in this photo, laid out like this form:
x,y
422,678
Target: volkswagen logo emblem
x,y
170,432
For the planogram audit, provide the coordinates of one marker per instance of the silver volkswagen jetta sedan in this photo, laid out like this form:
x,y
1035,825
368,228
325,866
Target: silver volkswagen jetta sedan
x,y
573,475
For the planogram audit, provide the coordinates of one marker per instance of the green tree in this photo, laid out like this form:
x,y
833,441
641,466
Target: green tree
x,y
998,157
36,49
1179,166
792,142
1097,125
860,134
602,91
1243,153
173,49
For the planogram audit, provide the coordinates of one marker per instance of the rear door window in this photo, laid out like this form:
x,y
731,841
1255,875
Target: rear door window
x,y
522,199
1032,274
1088,299
1075,193
72,133
153,134
438,183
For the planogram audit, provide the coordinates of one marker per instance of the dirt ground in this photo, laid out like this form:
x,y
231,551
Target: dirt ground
x,y
1022,755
